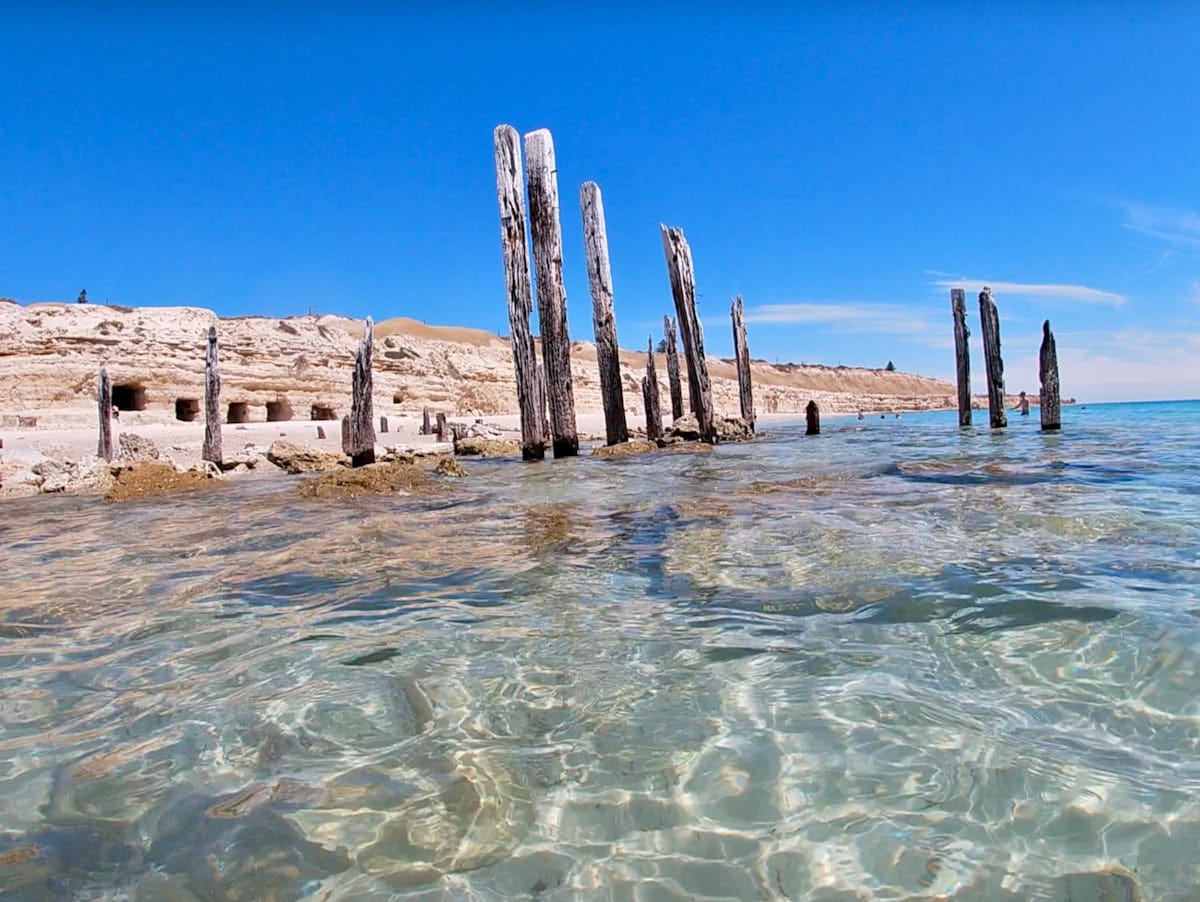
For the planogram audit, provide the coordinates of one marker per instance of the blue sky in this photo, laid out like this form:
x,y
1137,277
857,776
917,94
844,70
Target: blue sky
x,y
838,165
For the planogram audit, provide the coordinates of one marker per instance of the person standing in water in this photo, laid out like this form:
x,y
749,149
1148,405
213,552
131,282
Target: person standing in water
x,y
1023,405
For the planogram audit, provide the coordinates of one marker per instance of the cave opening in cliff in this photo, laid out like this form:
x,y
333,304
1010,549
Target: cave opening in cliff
x,y
129,396
323,412
239,412
187,409
277,411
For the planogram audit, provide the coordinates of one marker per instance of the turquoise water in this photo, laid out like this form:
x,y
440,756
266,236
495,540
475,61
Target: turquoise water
x,y
896,661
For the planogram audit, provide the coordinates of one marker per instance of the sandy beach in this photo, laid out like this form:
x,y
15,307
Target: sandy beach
x,y
283,379
181,442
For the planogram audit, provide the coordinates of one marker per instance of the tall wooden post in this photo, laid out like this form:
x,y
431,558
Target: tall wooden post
x,y
510,190
212,450
595,243
673,368
654,429
1050,405
443,429
741,351
812,414
989,323
542,177
347,439
426,425
383,424
683,289
362,416
104,447
962,354
539,378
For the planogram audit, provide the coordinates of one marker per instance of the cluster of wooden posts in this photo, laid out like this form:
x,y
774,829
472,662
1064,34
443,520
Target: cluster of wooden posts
x,y
443,431
1050,406
538,390
553,391
358,428
212,406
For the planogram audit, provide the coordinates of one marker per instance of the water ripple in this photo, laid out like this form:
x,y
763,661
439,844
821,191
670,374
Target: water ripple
x,y
899,660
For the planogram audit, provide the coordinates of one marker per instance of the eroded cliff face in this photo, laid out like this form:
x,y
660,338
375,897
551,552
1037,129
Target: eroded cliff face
x,y
300,367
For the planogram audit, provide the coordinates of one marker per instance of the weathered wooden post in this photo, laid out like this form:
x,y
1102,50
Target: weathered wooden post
x,y
383,424
1050,404
104,447
426,425
542,177
683,289
443,430
321,432
989,323
595,243
362,419
812,414
741,351
347,443
531,397
212,450
654,428
673,368
962,354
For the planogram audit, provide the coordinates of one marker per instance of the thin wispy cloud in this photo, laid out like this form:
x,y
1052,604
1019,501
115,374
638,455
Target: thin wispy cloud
x,y
1157,264
1177,227
883,319
1041,290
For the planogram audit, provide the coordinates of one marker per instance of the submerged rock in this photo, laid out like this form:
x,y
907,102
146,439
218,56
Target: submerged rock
x,y
682,447
734,429
479,446
373,479
448,466
149,478
625,449
396,455
227,848
47,864
23,865
729,429
295,458
1113,884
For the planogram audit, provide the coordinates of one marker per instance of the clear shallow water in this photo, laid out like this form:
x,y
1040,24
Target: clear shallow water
x,y
896,661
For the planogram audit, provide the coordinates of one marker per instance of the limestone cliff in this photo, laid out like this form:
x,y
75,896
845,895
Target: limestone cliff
x,y
300,367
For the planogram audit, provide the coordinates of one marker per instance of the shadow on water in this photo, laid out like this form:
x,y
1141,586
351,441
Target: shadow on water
x,y
1025,612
